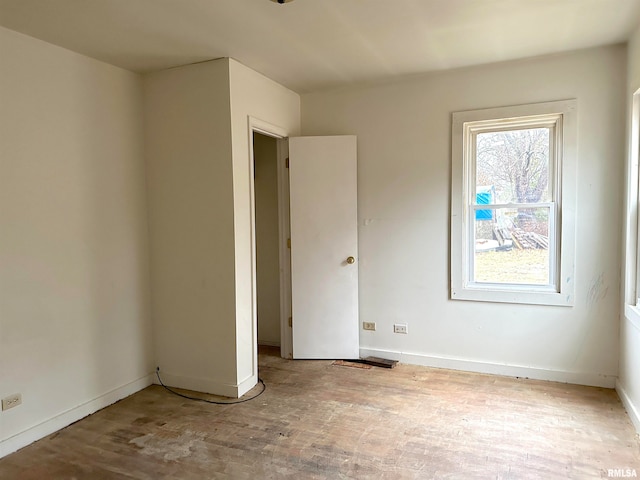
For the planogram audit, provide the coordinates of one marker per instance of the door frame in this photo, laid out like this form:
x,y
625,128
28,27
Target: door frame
x,y
257,125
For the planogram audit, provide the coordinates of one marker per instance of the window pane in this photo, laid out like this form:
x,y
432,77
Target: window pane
x,y
513,166
512,246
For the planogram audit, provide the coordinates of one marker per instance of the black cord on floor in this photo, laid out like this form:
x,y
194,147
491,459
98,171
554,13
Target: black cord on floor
x,y
264,387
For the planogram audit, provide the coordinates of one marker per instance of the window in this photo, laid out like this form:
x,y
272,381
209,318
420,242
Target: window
x,y
632,223
513,204
631,264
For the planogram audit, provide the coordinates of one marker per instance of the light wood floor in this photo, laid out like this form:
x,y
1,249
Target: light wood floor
x,y
317,420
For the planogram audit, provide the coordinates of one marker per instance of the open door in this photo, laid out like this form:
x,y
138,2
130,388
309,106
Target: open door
x,y
324,247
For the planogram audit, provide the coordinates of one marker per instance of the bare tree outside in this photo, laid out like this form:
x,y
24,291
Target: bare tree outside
x,y
512,244
516,163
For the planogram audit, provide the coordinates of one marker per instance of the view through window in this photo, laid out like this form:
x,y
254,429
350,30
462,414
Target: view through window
x,y
513,207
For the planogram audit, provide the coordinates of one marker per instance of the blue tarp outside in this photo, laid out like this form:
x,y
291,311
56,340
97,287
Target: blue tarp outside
x,y
484,196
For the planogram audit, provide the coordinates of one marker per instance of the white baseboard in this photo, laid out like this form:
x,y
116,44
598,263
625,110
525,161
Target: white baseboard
x,y
204,385
632,410
62,420
578,378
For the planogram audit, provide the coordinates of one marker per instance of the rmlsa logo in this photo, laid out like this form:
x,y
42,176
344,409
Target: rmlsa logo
x,y
622,473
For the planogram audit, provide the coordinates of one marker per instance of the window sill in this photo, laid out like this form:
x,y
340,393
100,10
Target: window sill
x,y
529,297
632,313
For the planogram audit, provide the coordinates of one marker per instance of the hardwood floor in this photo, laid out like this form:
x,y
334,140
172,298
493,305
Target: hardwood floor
x,y
318,420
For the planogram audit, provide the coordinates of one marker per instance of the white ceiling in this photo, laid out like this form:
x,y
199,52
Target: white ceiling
x,y
314,44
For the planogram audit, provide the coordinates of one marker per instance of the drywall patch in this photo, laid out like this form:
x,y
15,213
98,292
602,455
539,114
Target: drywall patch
x,y
597,291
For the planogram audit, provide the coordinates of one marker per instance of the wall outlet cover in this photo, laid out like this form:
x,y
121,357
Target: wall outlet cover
x,y
369,326
11,401
400,328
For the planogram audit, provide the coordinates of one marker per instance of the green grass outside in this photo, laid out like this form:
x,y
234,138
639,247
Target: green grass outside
x,y
513,266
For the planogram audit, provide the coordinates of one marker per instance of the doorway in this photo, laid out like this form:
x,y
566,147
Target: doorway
x,y
326,322
267,239
271,289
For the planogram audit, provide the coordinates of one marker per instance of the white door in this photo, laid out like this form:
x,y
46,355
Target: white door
x,y
324,247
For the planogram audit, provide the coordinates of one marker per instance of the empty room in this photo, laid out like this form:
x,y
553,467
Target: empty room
x,y
322,239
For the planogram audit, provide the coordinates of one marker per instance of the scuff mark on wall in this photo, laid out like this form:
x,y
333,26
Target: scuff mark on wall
x,y
597,291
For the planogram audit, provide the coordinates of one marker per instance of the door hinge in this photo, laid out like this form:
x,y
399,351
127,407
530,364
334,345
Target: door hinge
x,y
290,321
286,163
288,243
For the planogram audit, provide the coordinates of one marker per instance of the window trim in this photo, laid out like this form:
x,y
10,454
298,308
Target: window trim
x,y
634,160
631,253
561,116
631,228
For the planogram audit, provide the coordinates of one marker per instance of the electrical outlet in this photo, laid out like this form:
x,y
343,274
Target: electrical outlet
x,y
369,326
11,401
400,328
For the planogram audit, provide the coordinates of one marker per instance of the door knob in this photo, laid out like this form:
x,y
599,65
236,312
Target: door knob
x,y
351,260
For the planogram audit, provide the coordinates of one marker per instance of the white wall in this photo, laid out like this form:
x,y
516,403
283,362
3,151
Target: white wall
x,y
75,329
404,140
199,181
629,377
265,153
190,188
252,95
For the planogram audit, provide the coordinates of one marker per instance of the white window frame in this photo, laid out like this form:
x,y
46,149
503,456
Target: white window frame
x,y
634,161
631,264
560,117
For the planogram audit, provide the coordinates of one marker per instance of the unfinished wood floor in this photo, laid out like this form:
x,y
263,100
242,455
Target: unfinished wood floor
x,y
317,420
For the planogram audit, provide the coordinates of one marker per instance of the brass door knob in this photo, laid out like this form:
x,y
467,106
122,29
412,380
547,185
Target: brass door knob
x,y
351,260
